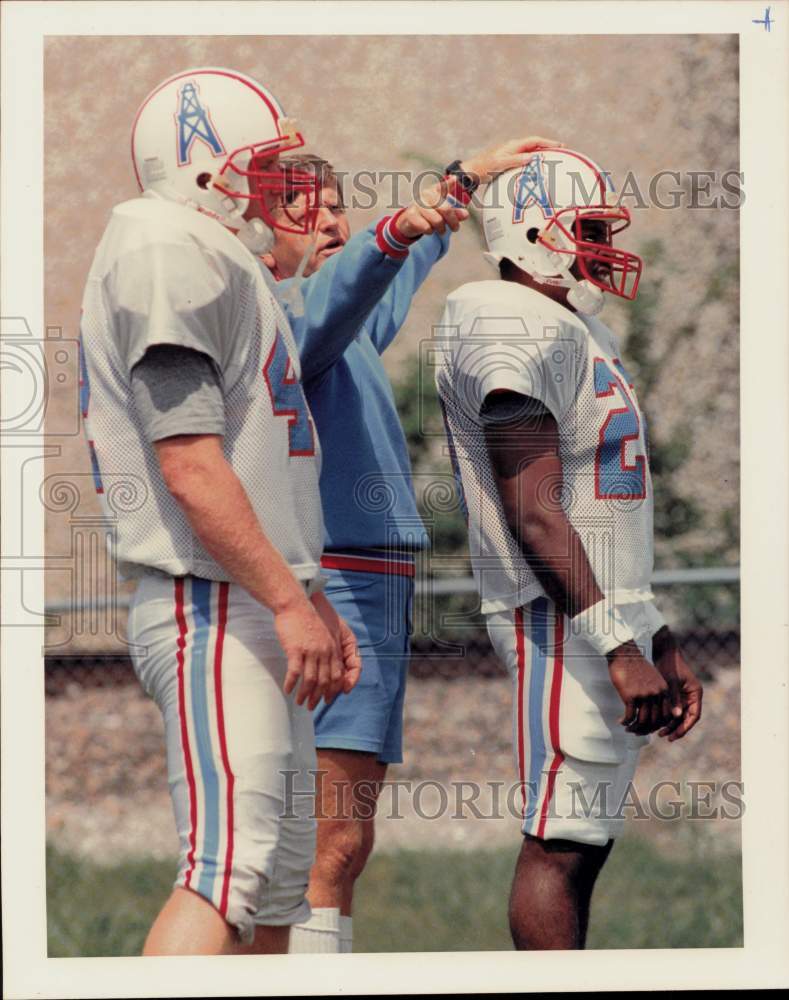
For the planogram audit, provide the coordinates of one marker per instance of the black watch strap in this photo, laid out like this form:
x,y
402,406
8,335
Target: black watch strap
x,y
466,181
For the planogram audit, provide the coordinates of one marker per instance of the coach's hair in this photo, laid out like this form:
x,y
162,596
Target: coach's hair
x,y
316,166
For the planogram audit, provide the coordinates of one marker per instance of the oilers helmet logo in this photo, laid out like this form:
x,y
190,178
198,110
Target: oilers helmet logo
x,y
530,189
194,123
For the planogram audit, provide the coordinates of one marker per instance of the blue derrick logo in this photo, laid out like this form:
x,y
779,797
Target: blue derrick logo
x,y
530,190
194,123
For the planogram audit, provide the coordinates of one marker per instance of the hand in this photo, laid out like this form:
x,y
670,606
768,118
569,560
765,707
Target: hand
x,y
486,165
312,652
642,689
348,649
431,213
685,690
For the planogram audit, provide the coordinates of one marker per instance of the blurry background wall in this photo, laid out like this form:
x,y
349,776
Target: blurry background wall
x,y
639,105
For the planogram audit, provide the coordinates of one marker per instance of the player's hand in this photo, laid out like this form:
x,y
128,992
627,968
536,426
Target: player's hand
x,y
344,678
685,690
644,692
351,659
432,212
312,652
514,153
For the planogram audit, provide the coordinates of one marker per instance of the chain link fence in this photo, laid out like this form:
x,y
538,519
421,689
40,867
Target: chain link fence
x,y
701,605
449,639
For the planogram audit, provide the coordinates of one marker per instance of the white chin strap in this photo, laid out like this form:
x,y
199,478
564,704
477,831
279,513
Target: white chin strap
x,y
292,296
585,297
582,295
256,235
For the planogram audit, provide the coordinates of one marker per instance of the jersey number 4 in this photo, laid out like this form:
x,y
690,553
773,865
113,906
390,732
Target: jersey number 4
x,y
287,398
614,478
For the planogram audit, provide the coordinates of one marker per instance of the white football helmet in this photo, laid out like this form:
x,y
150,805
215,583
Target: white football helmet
x,y
559,208
206,137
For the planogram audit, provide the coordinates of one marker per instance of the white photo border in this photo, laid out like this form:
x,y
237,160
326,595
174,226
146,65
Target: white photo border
x,y
763,961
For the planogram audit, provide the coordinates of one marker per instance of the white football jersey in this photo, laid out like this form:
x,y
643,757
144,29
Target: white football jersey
x,y
499,335
165,274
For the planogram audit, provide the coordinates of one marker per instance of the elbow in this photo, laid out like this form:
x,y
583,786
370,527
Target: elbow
x,y
184,480
176,481
192,466
532,530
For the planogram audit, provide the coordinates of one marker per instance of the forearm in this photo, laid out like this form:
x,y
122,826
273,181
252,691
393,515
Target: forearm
x,y
389,315
338,299
223,519
557,556
663,642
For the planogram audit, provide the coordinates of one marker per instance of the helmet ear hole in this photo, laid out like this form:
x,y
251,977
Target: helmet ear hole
x,y
203,180
532,234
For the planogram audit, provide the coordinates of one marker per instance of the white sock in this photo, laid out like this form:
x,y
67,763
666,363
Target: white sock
x,y
346,934
321,933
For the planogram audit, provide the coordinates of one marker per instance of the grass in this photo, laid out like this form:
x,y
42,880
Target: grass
x,y
429,901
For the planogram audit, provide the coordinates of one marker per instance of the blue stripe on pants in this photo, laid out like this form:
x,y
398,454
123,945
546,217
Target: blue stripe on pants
x,y
201,607
538,643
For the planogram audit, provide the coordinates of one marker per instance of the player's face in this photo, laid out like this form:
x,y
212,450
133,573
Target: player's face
x,y
331,234
595,231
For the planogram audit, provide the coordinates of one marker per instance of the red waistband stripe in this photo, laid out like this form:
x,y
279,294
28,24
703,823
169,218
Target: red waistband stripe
x,y
396,564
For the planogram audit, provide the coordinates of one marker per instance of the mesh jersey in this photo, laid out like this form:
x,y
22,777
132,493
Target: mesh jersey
x,y
499,335
165,274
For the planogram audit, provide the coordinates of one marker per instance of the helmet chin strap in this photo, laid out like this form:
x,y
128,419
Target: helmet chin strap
x,y
256,235
585,297
253,233
292,296
582,295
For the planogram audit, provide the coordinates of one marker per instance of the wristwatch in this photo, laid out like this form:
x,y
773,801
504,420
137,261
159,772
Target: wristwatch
x,y
466,181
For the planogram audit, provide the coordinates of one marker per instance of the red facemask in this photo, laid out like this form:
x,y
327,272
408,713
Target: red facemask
x,y
274,184
599,262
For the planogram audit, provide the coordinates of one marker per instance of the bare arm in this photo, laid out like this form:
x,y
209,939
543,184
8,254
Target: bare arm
x,y
523,443
223,519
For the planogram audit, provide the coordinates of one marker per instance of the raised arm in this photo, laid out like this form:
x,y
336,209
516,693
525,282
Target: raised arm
x,y
389,316
340,296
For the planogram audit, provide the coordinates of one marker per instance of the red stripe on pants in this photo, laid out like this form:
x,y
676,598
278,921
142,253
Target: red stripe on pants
x,y
521,674
180,618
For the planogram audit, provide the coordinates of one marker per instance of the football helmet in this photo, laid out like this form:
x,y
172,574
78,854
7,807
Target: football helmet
x,y
206,137
556,210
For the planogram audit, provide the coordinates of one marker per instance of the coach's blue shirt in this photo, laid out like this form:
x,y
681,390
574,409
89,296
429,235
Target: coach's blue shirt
x,y
366,488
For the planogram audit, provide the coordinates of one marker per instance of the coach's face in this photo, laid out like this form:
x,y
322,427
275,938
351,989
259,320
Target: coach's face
x,y
330,236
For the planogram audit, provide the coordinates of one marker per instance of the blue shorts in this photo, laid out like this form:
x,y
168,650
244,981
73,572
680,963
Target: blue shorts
x,y
377,606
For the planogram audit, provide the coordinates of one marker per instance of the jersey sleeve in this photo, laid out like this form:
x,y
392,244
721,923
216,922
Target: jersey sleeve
x,y
176,293
339,298
390,313
177,391
499,353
